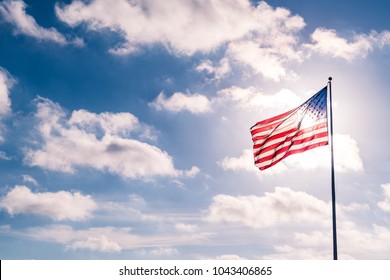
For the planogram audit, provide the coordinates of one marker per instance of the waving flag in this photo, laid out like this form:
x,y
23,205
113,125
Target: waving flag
x,y
295,131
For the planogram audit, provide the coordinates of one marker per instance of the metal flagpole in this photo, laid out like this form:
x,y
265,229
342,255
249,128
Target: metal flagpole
x,y
332,172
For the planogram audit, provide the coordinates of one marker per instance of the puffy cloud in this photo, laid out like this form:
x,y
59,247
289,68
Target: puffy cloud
x,y
14,12
120,124
385,204
4,156
284,206
251,98
191,173
167,23
29,179
6,83
328,42
346,156
245,162
259,37
163,251
58,206
100,243
314,245
101,141
247,98
347,159
265,61
270,47
219,71
361,243
194,103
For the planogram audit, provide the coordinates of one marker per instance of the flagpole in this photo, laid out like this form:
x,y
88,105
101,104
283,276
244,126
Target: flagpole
x,y
332,172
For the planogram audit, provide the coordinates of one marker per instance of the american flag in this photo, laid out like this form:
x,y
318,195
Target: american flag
x,y
295,131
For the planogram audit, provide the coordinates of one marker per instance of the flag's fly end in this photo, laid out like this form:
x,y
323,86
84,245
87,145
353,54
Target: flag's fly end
x,y
295,131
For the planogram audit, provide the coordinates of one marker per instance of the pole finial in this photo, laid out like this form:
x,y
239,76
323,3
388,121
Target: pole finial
x,y
330,79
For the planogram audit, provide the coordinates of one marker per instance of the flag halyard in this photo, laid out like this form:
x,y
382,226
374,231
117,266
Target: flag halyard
x,y
295,131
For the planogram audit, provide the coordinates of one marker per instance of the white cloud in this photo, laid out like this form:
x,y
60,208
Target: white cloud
x,y
385,204
247,98
261,38
269,49
58,206
245,162
194,103
347,159
218,71
121,124
284,206
191,173
304,246
6,83
328,42
346,156
14,12
4,156
229,257
186,227
253,99
101,141
360,243
187,27
163,251
182,26
380,39
29,179
100,243
265,61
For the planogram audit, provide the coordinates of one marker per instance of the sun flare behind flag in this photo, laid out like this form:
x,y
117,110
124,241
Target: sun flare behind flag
x,y
296,131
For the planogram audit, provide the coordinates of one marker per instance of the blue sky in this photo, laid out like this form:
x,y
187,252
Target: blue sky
x,y
124,129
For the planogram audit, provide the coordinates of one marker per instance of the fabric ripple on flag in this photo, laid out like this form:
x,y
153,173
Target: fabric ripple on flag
x,y
296,131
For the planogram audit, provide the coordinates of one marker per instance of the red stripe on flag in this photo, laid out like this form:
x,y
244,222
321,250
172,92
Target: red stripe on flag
x,y
278,146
